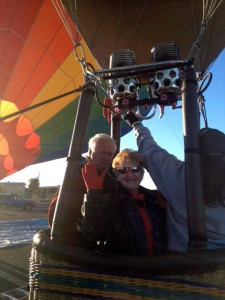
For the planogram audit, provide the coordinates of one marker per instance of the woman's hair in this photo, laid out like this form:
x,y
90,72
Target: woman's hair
x,y
128,155
212,145
99,137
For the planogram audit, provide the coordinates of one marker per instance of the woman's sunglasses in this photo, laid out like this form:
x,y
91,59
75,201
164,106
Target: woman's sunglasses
x,y
125,170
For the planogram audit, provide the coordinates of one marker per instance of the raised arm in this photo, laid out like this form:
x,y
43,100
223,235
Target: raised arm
x,y
96,208
165,169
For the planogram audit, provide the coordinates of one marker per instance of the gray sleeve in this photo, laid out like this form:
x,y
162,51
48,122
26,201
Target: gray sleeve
x,y
165,169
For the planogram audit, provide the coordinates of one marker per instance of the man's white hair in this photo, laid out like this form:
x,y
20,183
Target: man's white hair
x,y
96,138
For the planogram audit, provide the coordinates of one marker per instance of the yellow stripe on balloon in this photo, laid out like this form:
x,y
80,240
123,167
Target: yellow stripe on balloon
x,y
7,108
68,77
4,146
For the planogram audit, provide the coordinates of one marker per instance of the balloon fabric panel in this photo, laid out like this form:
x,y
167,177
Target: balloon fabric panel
x,y
37,63
107,26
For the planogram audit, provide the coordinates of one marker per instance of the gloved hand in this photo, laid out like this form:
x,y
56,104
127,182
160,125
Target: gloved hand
x,y
131,119
92,180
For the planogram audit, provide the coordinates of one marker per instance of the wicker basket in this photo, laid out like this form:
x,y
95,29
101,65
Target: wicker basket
x,y
56,279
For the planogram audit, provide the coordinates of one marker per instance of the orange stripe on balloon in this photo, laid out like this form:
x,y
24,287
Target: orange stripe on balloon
x,y
9,163
24,126
47,45
33,141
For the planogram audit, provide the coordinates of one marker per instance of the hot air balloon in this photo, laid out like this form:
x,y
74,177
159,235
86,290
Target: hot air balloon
x,y
59,270
37,65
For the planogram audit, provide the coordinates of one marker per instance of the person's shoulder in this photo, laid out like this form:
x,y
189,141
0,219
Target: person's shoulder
x,y
155,196
145,190
109,182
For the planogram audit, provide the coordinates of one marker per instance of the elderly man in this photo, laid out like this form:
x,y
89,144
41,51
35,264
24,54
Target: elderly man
x,y
101,149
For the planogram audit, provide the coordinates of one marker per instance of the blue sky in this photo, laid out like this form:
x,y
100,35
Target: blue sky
x,y
168,132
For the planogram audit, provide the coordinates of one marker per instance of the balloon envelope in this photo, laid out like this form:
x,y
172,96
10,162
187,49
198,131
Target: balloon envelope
x,y
108,26
37,63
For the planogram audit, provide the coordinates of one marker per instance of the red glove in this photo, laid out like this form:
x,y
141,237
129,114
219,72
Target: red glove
x,y
107,111
92,180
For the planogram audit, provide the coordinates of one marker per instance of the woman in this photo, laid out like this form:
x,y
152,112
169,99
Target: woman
x,y
128,221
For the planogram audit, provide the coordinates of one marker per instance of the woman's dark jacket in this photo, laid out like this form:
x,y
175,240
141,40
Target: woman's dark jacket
x,y
114,220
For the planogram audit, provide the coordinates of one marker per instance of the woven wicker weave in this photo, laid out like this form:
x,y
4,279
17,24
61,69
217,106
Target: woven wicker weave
x,y
55,279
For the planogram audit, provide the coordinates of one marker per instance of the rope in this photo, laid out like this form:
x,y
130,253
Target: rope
x,y
74,34
40,104
208,12
64,16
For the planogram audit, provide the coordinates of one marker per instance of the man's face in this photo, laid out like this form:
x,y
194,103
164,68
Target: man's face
x,y
103,154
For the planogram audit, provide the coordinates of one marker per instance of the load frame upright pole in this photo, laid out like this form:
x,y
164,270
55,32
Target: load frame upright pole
x,y
63,224
193,178
116,129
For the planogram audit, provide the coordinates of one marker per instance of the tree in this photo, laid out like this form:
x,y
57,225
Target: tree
x,y
33,186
